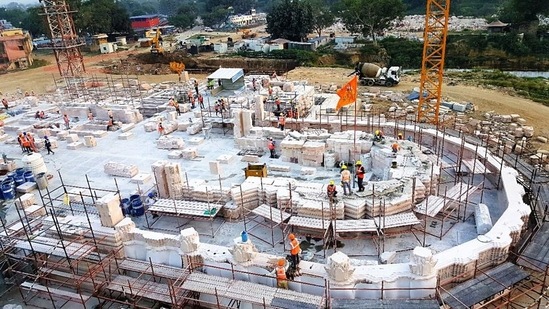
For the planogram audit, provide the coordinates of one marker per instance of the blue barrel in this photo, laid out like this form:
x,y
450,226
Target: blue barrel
x,y
29,177
20,171
10,175
126,206
19,180
7,191
137,205
244,236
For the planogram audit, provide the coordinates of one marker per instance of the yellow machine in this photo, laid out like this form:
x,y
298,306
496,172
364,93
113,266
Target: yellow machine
x,y
248,33
178,68
156,47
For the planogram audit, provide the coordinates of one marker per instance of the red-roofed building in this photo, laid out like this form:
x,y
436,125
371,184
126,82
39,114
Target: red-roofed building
x,y
144,22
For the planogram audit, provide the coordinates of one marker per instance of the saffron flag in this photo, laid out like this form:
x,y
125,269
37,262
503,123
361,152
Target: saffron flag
x,y
347,94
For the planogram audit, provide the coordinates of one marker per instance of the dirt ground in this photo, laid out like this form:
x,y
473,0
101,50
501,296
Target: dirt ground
x,y
40,80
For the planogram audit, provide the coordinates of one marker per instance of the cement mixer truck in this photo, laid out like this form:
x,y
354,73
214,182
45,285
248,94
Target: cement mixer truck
x,y
370,74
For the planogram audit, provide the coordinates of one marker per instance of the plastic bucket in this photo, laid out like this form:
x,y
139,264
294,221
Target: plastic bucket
x,y
244,236
19,180
29,177
42,181
7,191
126,206
20,171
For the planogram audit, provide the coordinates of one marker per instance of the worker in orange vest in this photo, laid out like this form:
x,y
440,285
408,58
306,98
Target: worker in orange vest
x,y
281,122
281,279
395,147
360,172
271,147
32,146
25,142
295,250
331,190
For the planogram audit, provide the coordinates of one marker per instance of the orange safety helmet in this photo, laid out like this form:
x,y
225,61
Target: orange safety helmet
x,y
281,262
291,236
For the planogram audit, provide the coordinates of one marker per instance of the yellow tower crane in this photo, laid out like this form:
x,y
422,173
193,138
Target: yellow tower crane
x,y
432,66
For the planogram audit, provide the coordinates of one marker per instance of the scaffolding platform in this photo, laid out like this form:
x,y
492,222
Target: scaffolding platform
x,y
536,255
485,286
398,220
385,303
55,247
185,208
475,166
142,288
434,204
309,223
249,292
67,295
360,225
274,214
159,270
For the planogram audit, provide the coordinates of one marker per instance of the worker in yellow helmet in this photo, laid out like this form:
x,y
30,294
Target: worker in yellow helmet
x,y
360,171
331,190
346,180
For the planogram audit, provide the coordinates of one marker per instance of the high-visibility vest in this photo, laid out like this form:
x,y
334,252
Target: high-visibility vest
x,y
360,172
280,273
395,146
271,145
295,247
346,176
282,121
330,189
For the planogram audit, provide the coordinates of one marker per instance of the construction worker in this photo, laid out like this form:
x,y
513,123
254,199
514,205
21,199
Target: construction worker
x,y
270,91
210,84
90,116
395,147
110,124
281,122
25,142
346,180
201,101
32,145
360,172
217,108
109,113
400,136
20,139
331,190
295,250
42,115
67,121
160,129
378,136
5,103
290,113
47,143
281,280
271,147
196,86
277,103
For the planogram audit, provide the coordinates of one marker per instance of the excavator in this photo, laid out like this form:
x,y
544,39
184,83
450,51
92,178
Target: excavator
x,y
247,33
156,47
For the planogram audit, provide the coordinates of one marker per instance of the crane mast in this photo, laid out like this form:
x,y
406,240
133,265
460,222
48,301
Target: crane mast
x,y
432,66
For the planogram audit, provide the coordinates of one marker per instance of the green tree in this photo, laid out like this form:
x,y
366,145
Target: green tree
x,y
35,23
291,20
14,16
185,16
323,16
524,12
369,17
216,17
102,16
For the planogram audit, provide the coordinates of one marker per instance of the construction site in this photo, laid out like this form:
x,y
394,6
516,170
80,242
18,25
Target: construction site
x,y
119,193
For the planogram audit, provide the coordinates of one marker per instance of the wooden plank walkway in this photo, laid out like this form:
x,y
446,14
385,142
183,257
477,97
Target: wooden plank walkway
x,y
398,220
185,208
274,214
434,204
247,291
310,223
142,288
54,247
385,303
536,254
486,285
31,286
159,270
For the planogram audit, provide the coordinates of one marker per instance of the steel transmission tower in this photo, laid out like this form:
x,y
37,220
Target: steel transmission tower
x,y
65,41
432,66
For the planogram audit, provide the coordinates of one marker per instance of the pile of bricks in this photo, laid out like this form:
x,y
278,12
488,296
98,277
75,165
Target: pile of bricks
x,y
355,208
169,142
195,128
121,170
168,179
317,209
313,153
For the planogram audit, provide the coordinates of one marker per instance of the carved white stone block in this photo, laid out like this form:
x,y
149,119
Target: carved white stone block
x,y
243,251
422,262
339,267
190,240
